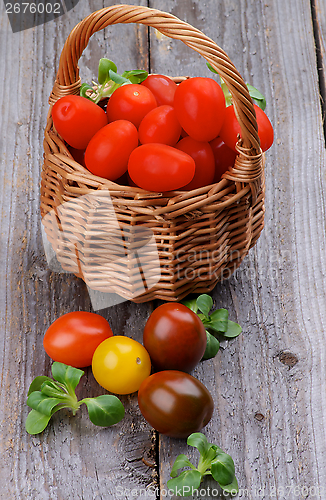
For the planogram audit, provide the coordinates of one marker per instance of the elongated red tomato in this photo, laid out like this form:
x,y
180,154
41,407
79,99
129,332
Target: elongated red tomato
x,y
130,102
160,125
108,152
200,107
157,167
203,155
77,120
73,337
162,87
231,128
224,157
175,403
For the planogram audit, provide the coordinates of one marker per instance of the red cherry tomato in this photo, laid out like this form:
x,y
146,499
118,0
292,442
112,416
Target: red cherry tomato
x,y
162,87
231,128
174,337
160,125
203,155
73,338
224,157
200,107
175,403
130,102
77,120
158,167
108,151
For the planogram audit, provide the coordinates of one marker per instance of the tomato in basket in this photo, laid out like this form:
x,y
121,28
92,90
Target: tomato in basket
x,y
77,120
158,167
203,155
224,157
160,125
130,102
162,87
200,107
108,152
231,128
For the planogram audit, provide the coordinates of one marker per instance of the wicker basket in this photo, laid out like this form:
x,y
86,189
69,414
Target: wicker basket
x,y
138,244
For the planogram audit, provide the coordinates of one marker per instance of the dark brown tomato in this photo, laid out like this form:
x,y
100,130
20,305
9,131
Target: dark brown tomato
x,y
175,403
175,338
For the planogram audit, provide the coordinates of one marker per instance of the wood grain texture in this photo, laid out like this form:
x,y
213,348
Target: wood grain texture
x,y
269,384
72,459
269,411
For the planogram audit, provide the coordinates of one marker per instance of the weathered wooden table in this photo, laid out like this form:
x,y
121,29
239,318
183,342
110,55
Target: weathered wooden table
x,y
269,384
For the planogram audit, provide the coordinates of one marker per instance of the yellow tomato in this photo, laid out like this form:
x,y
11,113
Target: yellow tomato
x,y
120,364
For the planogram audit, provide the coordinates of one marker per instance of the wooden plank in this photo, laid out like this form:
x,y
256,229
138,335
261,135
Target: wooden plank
x,y
319,13
269,384
72,459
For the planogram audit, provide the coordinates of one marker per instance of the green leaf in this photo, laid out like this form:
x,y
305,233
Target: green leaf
x,y
135,75
51,389
210,67
192,304
212,346
257,96
184,484
218,320
205,303
233,330
37,384
120,80
104,410
104,68
199,441
83,89
232,488
41,403
222,469
180,462
66,375
36,422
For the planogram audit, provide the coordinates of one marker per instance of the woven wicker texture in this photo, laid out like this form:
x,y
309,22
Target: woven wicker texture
x,y
145,245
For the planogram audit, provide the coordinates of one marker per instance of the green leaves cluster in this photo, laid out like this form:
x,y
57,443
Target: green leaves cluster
x,y
253,92
47,396
109,80
217,324
212,462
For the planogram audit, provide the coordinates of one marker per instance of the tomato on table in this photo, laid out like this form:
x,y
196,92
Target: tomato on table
x,y
160,125
130,102
231,128
108,152
158,167
174,337
72,338
120,364
200,107
175,403
203,155
77,120
162,87
224,157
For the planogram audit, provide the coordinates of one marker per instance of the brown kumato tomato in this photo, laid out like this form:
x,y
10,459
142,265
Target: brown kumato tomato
x,y
174,337
175,403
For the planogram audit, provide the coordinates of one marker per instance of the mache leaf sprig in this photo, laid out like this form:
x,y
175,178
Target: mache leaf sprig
x,y
213,461
47,396
217,324
109,80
